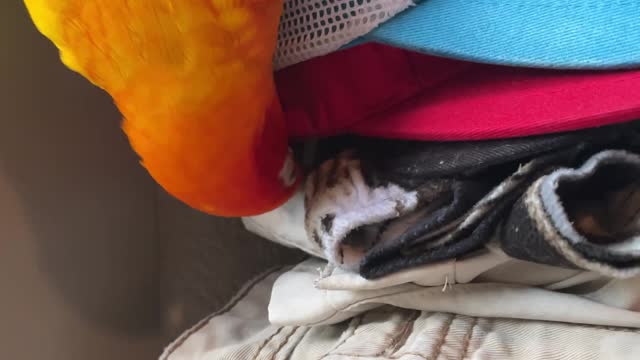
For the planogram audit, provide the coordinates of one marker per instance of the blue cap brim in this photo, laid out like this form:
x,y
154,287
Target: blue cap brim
x,y
561,34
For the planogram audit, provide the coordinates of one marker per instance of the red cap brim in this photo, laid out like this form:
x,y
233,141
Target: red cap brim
x,y
376,90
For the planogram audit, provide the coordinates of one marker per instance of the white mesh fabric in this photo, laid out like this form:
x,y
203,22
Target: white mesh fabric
x,y
310,28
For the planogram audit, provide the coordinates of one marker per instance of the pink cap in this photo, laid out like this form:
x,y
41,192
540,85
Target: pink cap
x,y
377,90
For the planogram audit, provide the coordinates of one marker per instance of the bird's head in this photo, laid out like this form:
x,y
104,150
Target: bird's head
x,y
194,82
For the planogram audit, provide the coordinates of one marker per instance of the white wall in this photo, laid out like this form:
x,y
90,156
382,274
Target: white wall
x,y
78,259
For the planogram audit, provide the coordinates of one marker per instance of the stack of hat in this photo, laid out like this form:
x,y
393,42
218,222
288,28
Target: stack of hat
x,y
468,70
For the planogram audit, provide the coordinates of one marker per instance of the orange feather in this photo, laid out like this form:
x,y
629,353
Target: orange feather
x,y
193,80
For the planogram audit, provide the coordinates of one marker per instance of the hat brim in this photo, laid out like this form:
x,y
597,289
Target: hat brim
x,y
494,102
383,91
560,34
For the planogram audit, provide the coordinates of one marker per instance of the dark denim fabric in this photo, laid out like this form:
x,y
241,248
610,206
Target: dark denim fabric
x,y
475,225
586,217
485,179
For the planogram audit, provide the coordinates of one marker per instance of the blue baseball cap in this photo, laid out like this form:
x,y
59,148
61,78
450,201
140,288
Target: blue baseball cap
x,y
560,34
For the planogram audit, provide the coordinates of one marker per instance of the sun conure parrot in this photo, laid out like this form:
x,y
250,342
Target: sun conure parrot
x,y
193,80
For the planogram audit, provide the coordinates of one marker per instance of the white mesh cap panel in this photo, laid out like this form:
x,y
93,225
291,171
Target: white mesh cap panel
x,y
310,28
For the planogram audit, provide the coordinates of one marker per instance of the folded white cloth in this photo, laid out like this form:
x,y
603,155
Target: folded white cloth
x,y
487,285
241,331
285,226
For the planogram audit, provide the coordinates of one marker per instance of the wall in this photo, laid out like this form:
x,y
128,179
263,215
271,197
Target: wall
x,y
78,256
